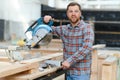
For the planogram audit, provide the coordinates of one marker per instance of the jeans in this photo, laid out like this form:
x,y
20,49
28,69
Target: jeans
x,y
78,77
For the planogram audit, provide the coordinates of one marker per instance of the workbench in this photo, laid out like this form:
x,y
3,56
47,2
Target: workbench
x,y
26,69
29,69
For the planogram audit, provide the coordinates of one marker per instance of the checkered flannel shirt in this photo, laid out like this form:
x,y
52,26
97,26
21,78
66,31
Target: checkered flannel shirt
x,y
77,46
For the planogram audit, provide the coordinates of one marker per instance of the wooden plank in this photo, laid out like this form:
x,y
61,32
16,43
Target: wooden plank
x,y
2,79
7,69
109,69
32,75
6,59
46,50
31,61
110,60
56,40
94,65
118,77
101,59
34,69
98,46
118,71
42,58
17,67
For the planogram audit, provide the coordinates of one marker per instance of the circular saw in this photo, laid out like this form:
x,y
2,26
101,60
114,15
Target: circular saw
x,y
38,33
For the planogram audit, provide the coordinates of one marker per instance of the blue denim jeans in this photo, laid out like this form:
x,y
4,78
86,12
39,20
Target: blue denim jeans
x,y
78,77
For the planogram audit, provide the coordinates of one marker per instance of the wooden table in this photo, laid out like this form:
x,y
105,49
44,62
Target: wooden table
x,y
9,70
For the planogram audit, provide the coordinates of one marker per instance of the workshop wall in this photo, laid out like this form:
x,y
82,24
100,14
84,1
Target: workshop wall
x,y
106,23
18,15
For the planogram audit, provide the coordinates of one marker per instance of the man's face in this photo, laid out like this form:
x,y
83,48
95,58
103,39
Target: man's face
x,y
74,14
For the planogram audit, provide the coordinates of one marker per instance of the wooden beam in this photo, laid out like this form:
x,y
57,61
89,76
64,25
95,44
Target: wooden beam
x,y
42,58
98,46
46,50
32,76
4,59
7,68
94,65
109,69
101,59
118,71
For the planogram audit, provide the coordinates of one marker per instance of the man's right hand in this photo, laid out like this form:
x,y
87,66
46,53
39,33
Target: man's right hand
x,y
47,18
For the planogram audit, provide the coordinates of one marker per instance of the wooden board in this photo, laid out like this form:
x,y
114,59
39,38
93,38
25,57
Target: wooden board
x,y
50,54
32,75
94,65
109,69
4,59
46,50
7,69
101,59
42,58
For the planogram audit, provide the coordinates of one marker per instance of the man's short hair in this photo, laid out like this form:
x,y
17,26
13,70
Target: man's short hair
x,y
73,4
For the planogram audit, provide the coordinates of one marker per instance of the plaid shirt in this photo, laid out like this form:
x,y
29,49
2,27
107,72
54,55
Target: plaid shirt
x,y
77,46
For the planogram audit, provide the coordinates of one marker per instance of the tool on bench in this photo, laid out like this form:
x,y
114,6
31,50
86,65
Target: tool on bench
x,y
39,33
49,64
54,62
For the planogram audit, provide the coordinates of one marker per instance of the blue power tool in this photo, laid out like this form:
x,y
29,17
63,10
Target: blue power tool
x,y
38,33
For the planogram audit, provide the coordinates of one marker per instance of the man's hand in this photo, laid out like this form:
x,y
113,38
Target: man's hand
x,y
65,65
47,18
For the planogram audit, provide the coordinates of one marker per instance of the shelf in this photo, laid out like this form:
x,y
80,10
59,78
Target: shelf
x,y
106,32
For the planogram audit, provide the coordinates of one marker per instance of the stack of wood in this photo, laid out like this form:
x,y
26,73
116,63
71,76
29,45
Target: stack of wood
x,y
28,69
104,66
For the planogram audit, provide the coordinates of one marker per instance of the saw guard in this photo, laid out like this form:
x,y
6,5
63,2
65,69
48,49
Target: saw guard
x,y
39,35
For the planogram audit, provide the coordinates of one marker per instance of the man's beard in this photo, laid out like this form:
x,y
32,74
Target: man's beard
x,y
74,21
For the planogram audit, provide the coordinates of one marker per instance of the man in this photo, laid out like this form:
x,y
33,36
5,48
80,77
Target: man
x,y
77,38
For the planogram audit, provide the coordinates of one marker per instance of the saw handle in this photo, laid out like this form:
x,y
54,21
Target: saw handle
x,y
39,22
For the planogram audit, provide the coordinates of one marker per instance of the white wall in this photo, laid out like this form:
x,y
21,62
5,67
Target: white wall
x,y
90,4
19,14
61,4
51,3
15,10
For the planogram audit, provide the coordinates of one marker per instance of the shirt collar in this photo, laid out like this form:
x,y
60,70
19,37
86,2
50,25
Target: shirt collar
x,y
81,22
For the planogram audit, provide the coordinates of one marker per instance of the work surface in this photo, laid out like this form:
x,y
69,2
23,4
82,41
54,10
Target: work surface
x,y
28,69
9,68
